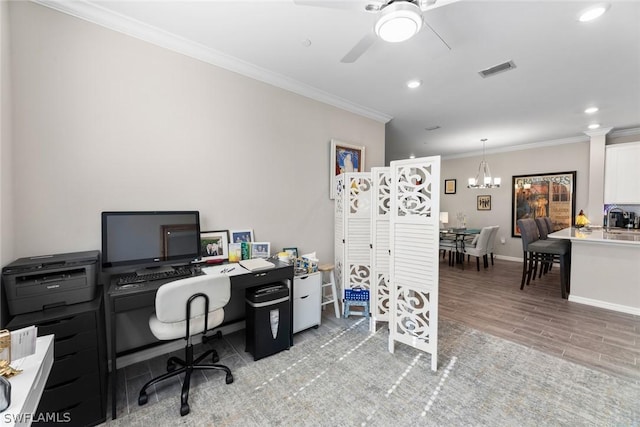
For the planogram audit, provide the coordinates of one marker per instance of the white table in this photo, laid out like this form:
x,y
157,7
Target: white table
x,y
27,387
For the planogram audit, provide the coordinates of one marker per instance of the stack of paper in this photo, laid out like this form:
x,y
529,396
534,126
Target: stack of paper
x,y
256,264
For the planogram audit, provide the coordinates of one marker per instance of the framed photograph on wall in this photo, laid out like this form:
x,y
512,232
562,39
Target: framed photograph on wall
x,y
544,194
260,250
449,186
484,203
214,244
239,236
344,158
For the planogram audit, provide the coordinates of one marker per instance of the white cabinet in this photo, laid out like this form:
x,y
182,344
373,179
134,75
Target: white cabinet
x,y
622,174
307,300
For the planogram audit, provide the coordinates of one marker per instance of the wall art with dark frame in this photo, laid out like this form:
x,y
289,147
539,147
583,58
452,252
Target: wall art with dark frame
x,y
449,186
483,203
543,194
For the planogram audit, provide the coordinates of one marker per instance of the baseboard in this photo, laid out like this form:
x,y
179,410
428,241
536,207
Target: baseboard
x,y
170,346
607,305
508,258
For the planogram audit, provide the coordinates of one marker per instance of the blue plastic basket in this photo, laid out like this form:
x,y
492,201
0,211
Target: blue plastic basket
x,y
356,294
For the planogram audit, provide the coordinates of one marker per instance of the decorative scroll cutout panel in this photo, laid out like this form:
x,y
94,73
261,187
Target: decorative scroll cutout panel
x,y
382,297
383,193
359,276
359,196
414,190
413,311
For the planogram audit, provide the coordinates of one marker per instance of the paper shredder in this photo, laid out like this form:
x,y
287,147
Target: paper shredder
x,y
268,319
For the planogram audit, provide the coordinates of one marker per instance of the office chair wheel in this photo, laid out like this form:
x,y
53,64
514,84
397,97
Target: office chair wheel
x,y
143,398
229,378
214,357
171,367
184,409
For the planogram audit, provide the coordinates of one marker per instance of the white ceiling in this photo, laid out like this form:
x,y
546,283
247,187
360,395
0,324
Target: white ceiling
x,y
562,65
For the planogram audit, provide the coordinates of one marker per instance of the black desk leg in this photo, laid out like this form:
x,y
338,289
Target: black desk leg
x,y
114,367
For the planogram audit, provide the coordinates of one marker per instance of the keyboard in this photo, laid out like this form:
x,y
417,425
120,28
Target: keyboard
x,y
176,273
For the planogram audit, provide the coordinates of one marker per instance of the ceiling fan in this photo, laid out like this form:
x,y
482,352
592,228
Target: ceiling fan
x,y
396,20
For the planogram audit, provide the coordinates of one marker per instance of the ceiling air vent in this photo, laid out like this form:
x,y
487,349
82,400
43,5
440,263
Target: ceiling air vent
x,y
505,66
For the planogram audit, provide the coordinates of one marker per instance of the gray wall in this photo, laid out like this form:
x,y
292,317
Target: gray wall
x,y
103,121
542,159
107,122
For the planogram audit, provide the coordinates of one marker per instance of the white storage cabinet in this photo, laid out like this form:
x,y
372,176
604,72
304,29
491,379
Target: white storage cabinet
x,y
307,300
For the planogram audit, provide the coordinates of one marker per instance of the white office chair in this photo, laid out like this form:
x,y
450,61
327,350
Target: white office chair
x,y
185,308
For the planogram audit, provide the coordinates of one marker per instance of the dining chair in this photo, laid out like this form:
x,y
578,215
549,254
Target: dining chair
x,y
536,250
479,249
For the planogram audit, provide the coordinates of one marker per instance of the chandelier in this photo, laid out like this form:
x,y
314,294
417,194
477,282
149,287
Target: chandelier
x,y
483,178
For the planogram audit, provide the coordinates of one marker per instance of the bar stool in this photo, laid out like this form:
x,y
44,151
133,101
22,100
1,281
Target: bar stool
x,y
327,272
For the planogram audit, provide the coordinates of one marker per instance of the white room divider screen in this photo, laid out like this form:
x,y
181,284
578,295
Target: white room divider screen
x,y
381,179
353,230
413,267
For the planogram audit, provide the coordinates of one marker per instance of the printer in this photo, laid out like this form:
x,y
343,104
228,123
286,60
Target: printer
x,y
40,282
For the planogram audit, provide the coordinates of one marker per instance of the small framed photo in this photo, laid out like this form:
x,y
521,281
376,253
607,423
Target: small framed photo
x,y
214,244
344,158
484,203
449,186
293,252
240,236
260,250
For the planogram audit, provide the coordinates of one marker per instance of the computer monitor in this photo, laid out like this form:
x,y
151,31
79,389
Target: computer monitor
x,y
149,239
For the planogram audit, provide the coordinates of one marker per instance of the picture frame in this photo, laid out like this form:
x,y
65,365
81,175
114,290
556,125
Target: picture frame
x,y
345,157
543,194
293,252
260,250
239,236
484,203
214,245
449,186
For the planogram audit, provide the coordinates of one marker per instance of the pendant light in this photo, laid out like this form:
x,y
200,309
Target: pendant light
x,y
483,178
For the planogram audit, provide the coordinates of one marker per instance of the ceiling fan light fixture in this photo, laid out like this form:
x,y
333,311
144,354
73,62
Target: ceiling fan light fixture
x,y
398,21
593,12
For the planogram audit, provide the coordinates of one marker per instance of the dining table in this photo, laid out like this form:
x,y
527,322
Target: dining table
x,y
459,237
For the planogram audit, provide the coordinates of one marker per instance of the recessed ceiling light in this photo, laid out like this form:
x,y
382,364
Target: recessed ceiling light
x,y
413,156
305,42
412,84
593,12
591,110
594,126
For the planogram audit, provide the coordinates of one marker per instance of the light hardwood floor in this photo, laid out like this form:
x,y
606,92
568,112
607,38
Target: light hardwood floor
x,y
491,301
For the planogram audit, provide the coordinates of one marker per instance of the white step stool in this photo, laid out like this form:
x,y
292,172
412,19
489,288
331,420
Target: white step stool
x,y
327,270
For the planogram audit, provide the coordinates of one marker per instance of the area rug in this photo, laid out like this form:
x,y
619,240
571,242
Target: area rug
x,y
347,377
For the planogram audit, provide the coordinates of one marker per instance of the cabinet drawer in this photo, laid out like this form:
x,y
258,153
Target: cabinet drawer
x,y
74,365
73,343
69,394
306,311
306,285
68,326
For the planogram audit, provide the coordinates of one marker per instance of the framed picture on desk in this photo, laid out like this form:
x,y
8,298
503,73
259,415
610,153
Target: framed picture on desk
x,y
214,244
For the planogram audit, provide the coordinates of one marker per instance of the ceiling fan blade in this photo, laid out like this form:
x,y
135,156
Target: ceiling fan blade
x,y
335,4
436,33
433,4
360,48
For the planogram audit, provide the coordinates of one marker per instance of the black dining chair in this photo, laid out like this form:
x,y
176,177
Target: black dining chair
x,y
536,251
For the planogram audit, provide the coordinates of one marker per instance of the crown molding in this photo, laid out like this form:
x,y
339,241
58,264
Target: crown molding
x,y
520,147
625,132
106,18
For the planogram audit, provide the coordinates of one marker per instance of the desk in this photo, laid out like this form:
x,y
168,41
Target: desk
x,y
121,300
27,387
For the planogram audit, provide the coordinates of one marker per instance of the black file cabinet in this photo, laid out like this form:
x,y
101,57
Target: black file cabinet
x,y
77,384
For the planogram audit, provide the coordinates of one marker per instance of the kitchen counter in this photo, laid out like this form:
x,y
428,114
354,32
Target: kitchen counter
x,y
599,235
605,268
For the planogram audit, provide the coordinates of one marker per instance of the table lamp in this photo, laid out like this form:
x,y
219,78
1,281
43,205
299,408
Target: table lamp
x,y
444,218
